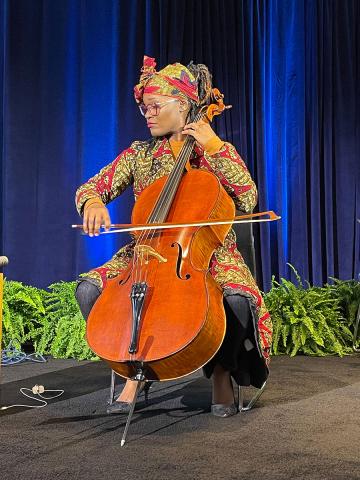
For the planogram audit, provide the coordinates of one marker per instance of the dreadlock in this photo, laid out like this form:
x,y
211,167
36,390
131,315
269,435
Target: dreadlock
x,y
204,82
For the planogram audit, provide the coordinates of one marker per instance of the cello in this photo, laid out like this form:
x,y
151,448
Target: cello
x,y
146,319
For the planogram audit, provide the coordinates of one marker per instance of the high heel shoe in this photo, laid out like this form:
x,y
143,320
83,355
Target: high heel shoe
x,y
119,407
226,410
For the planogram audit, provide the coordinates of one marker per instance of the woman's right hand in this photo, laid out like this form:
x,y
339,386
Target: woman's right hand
x,y
95,215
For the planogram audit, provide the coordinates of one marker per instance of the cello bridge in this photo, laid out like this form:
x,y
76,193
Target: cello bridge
x,y
145,252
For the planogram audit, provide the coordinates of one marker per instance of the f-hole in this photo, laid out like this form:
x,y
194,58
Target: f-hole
x,y
124,280
178,263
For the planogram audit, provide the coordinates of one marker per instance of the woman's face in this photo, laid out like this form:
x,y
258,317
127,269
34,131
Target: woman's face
x,y
171,117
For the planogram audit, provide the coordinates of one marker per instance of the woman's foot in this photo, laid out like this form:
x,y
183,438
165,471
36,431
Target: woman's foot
x,y
222,387
223,401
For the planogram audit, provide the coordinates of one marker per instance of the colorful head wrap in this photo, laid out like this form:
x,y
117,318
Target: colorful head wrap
x,y
174,80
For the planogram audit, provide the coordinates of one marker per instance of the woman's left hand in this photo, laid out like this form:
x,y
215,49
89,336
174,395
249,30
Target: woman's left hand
x,y
201,131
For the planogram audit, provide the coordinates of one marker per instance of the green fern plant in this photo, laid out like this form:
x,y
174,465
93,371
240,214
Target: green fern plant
x,y
50,320
348,294
68,338
306,320
23,314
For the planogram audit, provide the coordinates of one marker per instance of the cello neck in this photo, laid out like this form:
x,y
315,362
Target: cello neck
x,y
168,193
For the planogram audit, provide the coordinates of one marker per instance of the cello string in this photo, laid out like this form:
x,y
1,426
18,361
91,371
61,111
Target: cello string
x,y
173,181
167,195
159,208
164,200
146,237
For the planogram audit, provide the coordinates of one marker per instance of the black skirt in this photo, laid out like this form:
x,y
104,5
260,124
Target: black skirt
x,y
239,353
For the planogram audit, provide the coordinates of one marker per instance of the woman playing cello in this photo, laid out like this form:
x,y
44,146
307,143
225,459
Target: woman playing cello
x,y
168,99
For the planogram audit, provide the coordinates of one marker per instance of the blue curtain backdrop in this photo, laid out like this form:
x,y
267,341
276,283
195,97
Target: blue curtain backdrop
x,y
291,70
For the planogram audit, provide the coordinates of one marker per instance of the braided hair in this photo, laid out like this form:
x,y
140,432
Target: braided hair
x,y
204,82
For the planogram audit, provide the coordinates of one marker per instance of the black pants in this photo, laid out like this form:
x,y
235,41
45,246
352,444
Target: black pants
x,y
237,353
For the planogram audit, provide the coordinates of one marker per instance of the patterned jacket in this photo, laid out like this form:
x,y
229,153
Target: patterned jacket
x,y
140,166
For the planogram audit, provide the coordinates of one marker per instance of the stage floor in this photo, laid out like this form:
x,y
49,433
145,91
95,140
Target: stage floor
x,y
304,426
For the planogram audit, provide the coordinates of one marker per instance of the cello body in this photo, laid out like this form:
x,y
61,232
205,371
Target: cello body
x,y
164,314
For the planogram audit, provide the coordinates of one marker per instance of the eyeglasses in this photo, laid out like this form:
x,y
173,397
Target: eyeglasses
x,y
154,108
